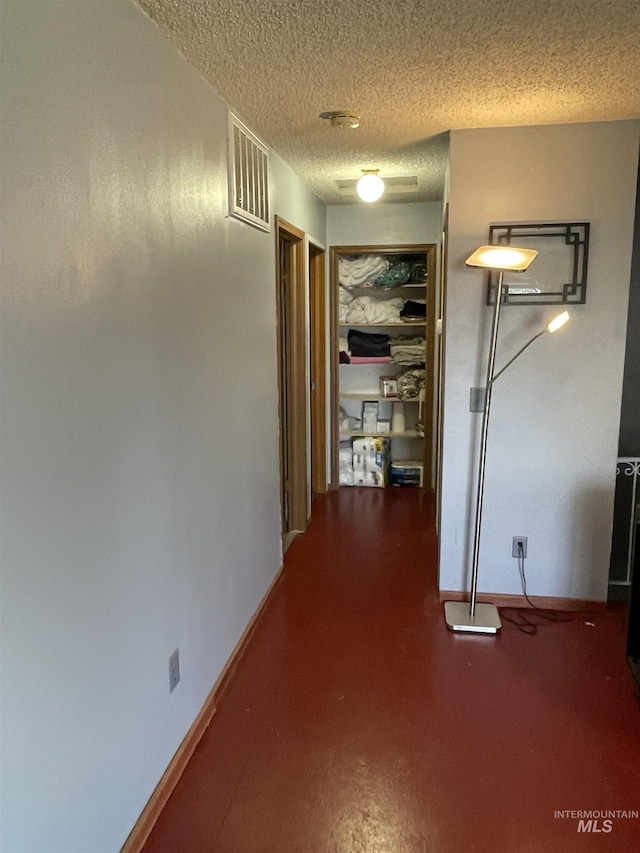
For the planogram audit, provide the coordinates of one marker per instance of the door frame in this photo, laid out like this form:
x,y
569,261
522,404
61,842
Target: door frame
x,y
442,307
295,404
318,367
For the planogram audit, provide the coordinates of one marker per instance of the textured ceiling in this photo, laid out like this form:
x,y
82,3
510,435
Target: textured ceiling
x,y
413,69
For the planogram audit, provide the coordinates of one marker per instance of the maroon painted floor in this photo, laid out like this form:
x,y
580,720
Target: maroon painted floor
x,y
356,723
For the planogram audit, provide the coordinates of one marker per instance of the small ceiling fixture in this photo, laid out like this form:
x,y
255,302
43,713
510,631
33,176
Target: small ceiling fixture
x,y
370,186
342,118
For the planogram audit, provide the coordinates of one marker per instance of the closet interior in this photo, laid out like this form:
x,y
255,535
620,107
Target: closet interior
x,y
383,333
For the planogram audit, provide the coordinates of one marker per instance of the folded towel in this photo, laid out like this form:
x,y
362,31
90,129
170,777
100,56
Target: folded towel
x,y
407,341
368,309
408,357
382,310
408,349
355,312
366,344
361,269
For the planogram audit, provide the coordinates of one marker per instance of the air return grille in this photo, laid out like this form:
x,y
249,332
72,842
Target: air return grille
x,y
249,176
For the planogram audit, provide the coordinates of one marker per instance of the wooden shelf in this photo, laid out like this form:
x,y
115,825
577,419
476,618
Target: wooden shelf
x,y
377,289
352,395
409,433
383,325
381,363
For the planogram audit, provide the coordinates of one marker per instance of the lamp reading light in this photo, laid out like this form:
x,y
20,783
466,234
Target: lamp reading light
x,y
370,187
558,322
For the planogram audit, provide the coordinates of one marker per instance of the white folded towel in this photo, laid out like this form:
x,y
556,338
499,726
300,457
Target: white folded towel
x,y
362,269
368,309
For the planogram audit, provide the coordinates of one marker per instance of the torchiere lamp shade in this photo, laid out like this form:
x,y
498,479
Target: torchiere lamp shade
x,y
506,258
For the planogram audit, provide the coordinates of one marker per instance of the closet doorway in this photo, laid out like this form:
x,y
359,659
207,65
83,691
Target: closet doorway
x,y
383,364
292,372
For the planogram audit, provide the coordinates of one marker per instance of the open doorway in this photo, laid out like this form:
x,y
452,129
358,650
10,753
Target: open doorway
x,y
393,371
292,372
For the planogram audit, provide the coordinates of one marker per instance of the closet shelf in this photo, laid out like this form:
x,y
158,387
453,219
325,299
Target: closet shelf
x,y
363,396
384,364
377,289
383,325
353,433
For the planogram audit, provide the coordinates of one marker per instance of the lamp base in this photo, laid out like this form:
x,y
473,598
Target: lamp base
x,y
486,619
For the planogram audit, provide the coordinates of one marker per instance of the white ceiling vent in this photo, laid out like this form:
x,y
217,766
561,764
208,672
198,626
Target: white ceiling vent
x,y
248,176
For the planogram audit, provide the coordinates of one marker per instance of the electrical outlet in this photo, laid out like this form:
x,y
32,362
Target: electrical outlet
x,y
476,399
515,547
174,670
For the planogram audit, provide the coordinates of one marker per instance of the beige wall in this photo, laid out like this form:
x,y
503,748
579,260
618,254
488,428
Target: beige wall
x,y
139,478
359,224
555,414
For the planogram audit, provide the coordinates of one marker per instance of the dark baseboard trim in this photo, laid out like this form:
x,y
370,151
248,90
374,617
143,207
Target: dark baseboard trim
x,y
581,605
170,778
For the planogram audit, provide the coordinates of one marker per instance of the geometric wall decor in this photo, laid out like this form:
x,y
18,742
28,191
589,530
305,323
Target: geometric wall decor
x,y
558,276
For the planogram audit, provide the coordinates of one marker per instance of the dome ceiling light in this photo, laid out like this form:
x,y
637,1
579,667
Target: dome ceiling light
x,y
342,118
370,187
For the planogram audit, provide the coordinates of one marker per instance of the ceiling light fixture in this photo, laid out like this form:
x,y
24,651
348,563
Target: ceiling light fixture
x,y
342,118
370,187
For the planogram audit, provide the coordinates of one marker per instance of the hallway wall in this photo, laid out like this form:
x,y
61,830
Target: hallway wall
x,y
140,497
555,415
359,224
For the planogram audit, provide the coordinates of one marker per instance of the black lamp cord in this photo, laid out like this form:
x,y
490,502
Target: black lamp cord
x,y
528,621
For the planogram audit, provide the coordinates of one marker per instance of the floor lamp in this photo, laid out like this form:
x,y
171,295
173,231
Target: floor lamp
x,y
468,616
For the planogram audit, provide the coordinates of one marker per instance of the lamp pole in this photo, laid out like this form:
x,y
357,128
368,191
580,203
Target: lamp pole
x,y
483,445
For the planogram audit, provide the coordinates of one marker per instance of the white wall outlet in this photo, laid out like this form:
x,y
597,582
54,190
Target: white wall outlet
x,y
515,547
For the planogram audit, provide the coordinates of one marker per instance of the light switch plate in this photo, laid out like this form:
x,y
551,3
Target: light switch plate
x,y
174,670
476,399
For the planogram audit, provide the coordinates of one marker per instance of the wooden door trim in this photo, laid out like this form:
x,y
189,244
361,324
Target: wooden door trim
x,y
296,351
318,334
442,308
430,363
334,257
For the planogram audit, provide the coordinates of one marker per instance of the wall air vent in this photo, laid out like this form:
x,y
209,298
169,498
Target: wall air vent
x,y
248,176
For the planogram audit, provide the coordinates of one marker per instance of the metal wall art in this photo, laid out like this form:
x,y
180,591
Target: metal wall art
x,y
558,275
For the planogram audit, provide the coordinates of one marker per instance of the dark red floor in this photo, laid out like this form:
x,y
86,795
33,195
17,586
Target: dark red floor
x,y
357,723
